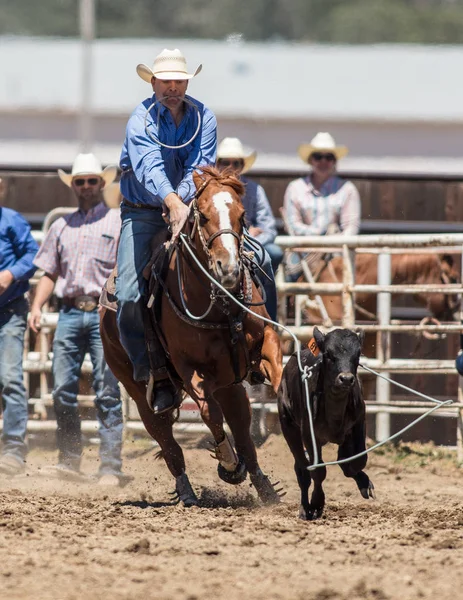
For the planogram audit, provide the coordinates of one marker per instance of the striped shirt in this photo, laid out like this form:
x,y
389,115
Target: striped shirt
x,y
80,249
311,212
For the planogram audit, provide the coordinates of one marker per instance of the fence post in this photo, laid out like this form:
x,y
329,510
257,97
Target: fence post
x,y
348,315
383,345
460,423
460,386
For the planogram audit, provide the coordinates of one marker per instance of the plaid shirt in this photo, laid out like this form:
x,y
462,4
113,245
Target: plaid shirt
x,y
80,249
311,212
335,208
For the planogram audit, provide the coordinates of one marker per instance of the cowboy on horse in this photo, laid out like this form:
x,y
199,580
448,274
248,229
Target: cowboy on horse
x,y
168,136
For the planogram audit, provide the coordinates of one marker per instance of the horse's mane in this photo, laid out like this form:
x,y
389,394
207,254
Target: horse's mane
x,y
225,177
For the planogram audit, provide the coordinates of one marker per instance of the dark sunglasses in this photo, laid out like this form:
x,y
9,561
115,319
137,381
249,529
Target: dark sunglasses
x,y
236,164
319,156
89,181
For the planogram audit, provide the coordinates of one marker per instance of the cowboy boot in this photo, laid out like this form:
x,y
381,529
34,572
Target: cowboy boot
x,y
161,395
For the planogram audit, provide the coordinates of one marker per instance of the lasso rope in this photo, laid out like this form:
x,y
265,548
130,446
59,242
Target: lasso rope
x,y
155,139
306,374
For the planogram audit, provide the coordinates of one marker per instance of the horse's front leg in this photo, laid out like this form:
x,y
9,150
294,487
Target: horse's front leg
x,y
237,411
231,468
271,364
160,427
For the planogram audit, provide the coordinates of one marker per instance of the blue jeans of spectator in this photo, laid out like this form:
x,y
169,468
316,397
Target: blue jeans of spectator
x,y
276,255
13,319
262,258
139,226
78,332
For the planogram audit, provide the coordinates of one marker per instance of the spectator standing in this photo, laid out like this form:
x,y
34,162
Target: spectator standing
x,y
17,252
77,256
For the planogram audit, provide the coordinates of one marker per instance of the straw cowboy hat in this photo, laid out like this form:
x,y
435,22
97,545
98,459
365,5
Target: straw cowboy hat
x,y
233,148
170,64
88,164
322,142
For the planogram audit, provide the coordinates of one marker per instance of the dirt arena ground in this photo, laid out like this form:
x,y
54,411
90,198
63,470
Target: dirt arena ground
x,y
62,541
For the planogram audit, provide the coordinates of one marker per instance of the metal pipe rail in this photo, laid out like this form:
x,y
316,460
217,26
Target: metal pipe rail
x,y
334,289
369,241
305,332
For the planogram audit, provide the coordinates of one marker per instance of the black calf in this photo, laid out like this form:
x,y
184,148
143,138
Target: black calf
x,y
338,411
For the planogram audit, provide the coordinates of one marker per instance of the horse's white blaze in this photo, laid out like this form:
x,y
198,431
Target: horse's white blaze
x,y
221,201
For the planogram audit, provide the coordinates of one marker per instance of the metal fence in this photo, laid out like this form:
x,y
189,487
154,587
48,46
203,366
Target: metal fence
x,y
385,363
39,360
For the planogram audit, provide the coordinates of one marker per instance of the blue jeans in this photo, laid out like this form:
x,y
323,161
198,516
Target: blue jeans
x,y
276,255
139,226
12,328
268,283
78,332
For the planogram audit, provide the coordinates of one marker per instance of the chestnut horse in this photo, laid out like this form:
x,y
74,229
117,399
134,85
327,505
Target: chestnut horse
x,y
211,356
405,268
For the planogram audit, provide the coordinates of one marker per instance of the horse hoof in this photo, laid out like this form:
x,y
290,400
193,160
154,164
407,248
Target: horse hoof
x,y
264,488
185,492
233,477
189,502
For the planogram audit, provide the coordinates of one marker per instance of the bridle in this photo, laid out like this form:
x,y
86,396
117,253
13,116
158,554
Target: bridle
x,y
206,243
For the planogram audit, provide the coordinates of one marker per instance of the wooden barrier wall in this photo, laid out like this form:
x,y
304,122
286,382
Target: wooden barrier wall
x,y
383,198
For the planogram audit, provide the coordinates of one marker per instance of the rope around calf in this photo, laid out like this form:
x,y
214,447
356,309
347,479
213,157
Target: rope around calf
x,y
306,374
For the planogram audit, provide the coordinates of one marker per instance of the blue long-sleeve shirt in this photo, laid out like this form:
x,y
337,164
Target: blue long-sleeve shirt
x,y
258,211
149,171
17,251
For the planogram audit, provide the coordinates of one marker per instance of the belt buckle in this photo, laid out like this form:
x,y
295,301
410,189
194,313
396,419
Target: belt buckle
x,y
86,304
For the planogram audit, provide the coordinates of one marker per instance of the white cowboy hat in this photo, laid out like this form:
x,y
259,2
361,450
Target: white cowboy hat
x,y
233,148
322,142
170,64
88,164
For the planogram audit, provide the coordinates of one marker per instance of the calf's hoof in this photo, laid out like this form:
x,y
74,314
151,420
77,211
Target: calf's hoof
x,y
368,492
233,477
310,514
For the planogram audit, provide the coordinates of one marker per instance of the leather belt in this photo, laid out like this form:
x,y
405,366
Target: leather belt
x,y
85,303
139,205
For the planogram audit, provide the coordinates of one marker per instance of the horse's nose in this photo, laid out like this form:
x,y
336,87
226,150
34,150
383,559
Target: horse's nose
x,y
346,379
227,274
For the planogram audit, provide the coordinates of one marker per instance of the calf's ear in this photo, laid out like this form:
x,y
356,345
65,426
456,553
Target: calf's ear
x,y
361,336
319,338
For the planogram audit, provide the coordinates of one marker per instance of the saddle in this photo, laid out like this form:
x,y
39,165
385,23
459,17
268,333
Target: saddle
x,y
108,298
